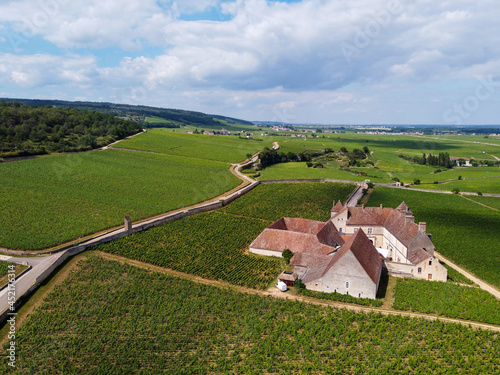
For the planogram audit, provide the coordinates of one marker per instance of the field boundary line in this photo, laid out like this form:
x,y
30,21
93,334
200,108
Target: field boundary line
x,y
481,204
436,191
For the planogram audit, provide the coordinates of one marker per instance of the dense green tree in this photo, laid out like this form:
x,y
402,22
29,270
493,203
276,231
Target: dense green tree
x,y
31,130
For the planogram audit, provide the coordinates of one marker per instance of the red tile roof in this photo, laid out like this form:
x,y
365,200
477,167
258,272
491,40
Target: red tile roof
x,y
299,236
338,207
399,222
419,256
308,259
364,251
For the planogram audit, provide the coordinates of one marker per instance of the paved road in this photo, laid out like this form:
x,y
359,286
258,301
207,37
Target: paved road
x,y
353,201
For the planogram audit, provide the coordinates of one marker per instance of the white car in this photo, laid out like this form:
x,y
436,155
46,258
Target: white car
x,y
281,286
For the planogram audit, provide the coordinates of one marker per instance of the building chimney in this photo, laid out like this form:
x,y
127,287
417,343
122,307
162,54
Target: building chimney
x,y
422,227
408,219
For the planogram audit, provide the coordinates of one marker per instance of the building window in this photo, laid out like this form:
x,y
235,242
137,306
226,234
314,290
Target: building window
x,y
347,285
419,269
340,230
430,262
355,230
370,230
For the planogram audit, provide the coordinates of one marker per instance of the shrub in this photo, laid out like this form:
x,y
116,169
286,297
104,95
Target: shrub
x,y
416,181
300,285
479,193
456,190
287,255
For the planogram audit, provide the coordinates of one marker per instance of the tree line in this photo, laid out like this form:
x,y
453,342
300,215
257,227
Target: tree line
x,y
441,160
34,130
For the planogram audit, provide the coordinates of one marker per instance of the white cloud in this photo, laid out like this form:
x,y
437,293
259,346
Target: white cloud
x,y
47,70
268,54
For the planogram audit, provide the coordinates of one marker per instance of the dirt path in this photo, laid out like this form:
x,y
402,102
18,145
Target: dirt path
x,y
274,292
37,299
479,282
118,141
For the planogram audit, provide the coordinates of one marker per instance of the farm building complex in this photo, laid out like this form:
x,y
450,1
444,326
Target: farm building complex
x,y
346,254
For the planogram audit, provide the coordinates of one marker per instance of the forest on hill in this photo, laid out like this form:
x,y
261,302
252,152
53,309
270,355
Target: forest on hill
x,y
34,130
178,116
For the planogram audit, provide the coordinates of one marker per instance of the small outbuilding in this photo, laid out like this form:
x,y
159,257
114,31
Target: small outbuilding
x,y
289,278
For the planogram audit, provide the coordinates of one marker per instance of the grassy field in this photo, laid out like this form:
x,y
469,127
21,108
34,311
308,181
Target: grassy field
x,y
483,185
229,149
289,171
213,245
109,317
462,230
50,200
447,299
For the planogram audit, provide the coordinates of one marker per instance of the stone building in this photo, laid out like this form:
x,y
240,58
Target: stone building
x,y
346,254
405,245
323,259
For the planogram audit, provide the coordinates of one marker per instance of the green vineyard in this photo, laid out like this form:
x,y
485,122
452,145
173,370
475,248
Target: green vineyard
x,y
305,200
112,318
462,230
209,245
448,299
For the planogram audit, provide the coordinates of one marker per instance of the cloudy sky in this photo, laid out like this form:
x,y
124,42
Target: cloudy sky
x,y
315,61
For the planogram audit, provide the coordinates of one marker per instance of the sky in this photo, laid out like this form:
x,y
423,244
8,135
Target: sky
x,y
309,61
